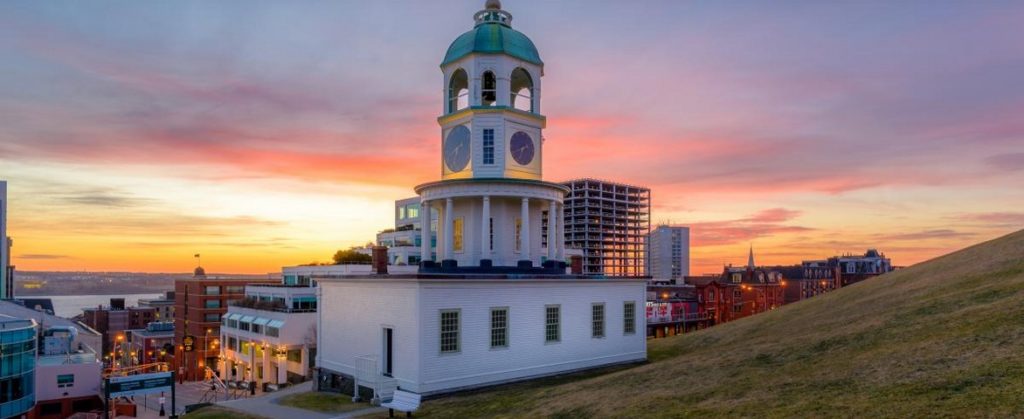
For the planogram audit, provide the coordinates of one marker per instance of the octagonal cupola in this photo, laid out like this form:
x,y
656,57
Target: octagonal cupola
x,y
491,126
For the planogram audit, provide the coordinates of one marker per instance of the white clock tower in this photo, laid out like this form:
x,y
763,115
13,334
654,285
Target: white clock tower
x,y
496,213
491,126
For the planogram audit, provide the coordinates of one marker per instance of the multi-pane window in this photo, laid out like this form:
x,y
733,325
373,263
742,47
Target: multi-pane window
x,y
552,324
212,290
597,320
499,327
212,317
488,146
449,331
212,303
273,331
629,317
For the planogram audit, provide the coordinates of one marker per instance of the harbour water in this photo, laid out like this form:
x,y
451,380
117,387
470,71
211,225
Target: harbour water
x,y
72,305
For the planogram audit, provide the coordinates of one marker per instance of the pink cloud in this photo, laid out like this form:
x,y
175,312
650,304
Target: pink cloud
x,y
765,223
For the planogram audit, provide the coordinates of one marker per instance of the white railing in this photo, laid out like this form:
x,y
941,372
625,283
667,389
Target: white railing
x,y
366,375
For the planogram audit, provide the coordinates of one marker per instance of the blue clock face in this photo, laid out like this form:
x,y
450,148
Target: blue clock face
x,y
521,148
456,149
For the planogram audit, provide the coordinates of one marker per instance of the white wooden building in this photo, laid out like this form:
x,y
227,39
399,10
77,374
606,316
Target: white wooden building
x,y
448,334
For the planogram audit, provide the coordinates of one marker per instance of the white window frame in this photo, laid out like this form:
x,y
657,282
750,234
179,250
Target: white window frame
x,y
629,318
557,324
504,328
458,331
594,321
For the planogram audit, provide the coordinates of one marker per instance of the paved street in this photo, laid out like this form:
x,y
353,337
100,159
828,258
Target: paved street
x,y
186,394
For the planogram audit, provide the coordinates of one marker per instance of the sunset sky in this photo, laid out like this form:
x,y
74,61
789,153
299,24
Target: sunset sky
x,y
262,134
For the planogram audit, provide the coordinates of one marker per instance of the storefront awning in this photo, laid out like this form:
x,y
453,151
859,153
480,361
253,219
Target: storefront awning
x,y
234,316
261,321
276,323
247,319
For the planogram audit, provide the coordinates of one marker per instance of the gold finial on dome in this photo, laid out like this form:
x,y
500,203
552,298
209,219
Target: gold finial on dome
x,y
492,5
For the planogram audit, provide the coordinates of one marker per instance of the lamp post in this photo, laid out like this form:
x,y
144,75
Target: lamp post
x,y
206,348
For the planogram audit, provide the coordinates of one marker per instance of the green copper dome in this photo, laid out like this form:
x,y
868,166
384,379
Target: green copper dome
x,y
492,35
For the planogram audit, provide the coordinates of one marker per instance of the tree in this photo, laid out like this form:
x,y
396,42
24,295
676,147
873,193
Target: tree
x,y
351,256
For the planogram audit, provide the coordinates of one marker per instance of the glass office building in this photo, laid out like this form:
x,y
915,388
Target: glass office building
x,y
17,366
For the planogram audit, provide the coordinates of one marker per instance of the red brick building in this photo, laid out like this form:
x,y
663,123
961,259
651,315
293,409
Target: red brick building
x,y
814,277
112,321
738,292
715,297
199,303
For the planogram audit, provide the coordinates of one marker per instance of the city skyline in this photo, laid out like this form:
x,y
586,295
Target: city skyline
x,y
136,136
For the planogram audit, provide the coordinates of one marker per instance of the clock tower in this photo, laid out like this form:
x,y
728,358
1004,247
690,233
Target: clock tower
x,y
491,126
496,213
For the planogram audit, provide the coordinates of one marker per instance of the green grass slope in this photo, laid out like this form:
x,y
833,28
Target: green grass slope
x,y
944,338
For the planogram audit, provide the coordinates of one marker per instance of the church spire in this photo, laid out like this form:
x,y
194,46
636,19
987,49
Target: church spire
x,y
750,258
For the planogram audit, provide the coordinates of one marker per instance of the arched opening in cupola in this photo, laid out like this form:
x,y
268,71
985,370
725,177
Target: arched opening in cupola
x,y
522,90
489,89
458,91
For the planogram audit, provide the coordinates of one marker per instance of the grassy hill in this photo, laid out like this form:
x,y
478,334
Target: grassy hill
x,y
944,338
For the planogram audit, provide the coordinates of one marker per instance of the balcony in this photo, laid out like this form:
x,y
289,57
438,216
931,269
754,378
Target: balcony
x,y
272,305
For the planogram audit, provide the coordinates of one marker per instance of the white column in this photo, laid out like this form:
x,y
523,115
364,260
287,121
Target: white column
x,y
304,354
266,366
424,231
560,235
524,231
552,229
485,230
252,362
223,365
282,369
449,229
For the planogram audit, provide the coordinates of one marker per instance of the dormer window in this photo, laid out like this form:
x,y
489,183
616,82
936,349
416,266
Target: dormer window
x,y
489,89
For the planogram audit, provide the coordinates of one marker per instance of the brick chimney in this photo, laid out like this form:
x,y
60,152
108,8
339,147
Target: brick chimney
x,y
380,260
576,262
